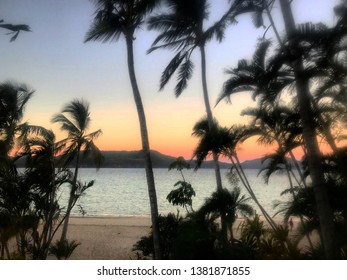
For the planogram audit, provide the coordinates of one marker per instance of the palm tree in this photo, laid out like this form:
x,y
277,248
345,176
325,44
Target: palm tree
x,y
116,18
223,141
40,151
277,126
324,210
75,120
269,80
182,29
228,204
13,99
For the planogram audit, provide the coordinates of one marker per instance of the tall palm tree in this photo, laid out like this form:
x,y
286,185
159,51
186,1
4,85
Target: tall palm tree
x,y
75,120
116,18
286,71
324,210
182,29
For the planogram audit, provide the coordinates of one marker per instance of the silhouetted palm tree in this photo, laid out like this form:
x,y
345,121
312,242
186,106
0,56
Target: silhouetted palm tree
x,y
223,141
324,210
40,150
75,120
228,204
277,126
116,18
182,29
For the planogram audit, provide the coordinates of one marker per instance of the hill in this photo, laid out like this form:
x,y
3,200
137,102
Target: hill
x,y
134,159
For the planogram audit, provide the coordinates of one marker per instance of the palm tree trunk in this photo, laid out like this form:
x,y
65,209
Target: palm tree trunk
x,y
145,147
272,22
292,156
209,113
71,198
239,170
211,124
294,198
324,210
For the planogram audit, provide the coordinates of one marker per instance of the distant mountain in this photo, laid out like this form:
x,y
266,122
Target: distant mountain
x,y
252,164
134,159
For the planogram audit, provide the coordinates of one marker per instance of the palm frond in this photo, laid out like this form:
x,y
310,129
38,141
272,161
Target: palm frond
x,y
184,74
171,68
108,29
65,123
91,148
78,110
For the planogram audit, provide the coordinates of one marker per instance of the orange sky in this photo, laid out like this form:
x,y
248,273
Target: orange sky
x,y
55,62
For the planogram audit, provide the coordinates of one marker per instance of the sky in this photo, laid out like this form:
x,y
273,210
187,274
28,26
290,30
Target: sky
x,y
54,61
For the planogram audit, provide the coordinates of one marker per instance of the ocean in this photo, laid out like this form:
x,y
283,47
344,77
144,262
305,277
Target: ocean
x,y
123,192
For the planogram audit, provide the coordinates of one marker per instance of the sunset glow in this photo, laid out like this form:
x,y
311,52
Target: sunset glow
x,y
55,62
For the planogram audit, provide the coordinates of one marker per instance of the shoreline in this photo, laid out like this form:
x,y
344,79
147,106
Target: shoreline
x,y
111,220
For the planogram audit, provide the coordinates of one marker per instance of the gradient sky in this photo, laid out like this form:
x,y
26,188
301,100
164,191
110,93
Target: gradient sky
x,y
54,61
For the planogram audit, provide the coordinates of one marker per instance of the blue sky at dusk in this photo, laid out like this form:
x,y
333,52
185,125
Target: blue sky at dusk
x,y
54,61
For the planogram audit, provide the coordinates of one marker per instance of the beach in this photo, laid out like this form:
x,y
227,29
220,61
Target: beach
x,y
106,238
110,238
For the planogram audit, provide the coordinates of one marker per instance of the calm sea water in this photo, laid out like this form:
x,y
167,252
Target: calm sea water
x,y
123,192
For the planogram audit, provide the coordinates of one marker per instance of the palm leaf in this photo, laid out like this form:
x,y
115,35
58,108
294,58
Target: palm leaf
x,y
184,74
170,69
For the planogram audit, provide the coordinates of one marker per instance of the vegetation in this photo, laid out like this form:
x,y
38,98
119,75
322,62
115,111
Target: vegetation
x,y
29,203
301,104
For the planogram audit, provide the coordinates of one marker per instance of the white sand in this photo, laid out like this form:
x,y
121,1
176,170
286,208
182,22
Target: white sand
x,y
105,238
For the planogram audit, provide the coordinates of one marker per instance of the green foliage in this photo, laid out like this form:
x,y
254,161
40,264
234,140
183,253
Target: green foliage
x,y
227,204
63,249
168,228
181,196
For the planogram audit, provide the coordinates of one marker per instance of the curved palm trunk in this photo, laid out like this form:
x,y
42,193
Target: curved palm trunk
x,y
295,161
145,147
210,124
71,198
272,22
324,210
209,113
232,155
294,198
246,183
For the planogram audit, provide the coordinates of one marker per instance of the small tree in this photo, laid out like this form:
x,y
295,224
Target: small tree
x,y
182,195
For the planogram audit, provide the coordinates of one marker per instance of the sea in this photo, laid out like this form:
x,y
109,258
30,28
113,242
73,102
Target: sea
x,y
123,192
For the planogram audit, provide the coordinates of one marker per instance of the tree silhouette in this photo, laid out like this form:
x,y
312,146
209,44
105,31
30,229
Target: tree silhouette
x,y
116,18
75,120
182,30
